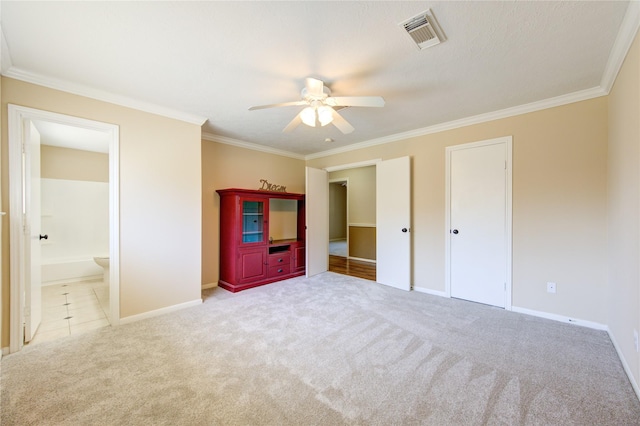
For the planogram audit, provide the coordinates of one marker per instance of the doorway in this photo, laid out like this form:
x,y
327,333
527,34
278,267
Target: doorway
x,y
478,222
393,267
338,217
25,237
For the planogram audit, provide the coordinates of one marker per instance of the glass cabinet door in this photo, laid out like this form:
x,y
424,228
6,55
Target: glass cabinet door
x,y
252,221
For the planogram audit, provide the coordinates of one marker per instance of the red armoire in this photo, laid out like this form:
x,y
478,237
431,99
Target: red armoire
x,y
262,237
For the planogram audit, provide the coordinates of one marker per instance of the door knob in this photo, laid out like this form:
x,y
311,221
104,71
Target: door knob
x,y
455,231
404,229
44,237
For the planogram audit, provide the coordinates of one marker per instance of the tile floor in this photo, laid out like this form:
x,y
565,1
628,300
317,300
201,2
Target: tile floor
x,y
72,308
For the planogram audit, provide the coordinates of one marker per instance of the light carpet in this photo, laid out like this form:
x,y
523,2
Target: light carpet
x,y
329,350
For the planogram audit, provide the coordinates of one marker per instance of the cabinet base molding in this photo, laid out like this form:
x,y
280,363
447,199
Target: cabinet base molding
x,y
234,288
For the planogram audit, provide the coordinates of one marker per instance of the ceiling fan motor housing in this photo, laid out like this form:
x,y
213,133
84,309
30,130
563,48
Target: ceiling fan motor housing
x,y
310,97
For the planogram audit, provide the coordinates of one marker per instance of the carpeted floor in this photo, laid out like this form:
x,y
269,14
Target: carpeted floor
x,y
329,350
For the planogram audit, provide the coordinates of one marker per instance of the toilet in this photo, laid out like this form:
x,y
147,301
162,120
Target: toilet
x,y
103,261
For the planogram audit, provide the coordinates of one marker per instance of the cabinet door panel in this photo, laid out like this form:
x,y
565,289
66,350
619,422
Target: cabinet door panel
x,y
300,258
252,265
254,221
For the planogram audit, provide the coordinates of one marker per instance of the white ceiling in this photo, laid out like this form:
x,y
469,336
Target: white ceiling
x,y
213,60
64,136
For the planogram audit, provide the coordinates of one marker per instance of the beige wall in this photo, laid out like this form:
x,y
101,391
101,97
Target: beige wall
x,y
362,242
623,301
160,198
362,192
73,164
337,211
362,210
226,166
283,219
559,202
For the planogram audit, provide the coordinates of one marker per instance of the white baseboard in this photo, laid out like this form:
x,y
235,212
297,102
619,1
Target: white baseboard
x,y
430,291
561,318
210,285
627,369
157,312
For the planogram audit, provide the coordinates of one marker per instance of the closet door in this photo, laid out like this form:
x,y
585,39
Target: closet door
x,y
479,212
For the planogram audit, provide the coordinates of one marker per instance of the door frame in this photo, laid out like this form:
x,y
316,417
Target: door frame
x,y
508,143
17,116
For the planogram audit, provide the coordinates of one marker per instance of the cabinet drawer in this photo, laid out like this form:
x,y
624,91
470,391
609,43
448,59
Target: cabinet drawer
x,y
275,271
279,259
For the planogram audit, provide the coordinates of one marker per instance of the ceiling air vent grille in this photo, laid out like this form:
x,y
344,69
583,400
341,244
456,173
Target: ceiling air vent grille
x,y
423,30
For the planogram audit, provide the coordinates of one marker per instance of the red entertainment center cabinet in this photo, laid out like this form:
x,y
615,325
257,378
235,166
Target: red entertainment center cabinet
x,y
262,237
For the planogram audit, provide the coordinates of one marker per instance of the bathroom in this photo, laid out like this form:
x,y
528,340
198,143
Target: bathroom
x,y
74,184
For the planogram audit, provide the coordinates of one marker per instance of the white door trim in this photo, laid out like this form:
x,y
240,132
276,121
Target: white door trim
x,y
508,141
18,115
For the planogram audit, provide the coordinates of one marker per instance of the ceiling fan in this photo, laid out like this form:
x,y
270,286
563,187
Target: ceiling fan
x,y
321,108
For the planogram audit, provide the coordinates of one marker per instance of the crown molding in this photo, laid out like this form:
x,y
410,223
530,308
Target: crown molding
x,y
626,35
248,145
570,98
581,95
101,95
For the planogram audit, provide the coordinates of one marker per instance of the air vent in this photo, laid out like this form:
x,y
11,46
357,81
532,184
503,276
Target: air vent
x,y
423,30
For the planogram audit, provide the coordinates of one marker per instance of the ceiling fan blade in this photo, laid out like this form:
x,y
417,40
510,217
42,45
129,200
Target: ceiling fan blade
x,y
293,124
314,87
253,108
342,124
359,101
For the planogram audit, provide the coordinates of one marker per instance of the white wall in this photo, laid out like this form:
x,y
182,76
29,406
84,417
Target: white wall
x,y
75,216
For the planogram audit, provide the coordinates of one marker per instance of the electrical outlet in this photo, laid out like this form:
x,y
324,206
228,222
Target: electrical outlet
x,y
635,340
551,287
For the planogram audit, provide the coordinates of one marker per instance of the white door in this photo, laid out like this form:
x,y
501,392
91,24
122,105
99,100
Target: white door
x,y
317,221
33,280
478,223
393,223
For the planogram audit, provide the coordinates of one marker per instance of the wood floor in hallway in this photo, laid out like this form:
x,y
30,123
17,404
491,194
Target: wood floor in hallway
x,y
354,268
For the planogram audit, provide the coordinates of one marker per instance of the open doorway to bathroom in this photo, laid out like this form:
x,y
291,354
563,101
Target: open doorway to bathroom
x,y
74,194
63,176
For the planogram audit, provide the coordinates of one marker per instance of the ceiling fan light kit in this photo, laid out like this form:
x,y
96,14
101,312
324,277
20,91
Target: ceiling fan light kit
x,y
320,107
317,114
